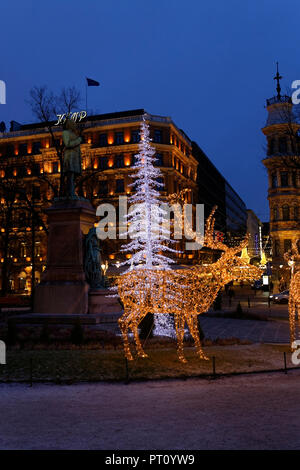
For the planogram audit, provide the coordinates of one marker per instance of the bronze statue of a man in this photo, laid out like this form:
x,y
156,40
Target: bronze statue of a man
x,y
71,157
92,260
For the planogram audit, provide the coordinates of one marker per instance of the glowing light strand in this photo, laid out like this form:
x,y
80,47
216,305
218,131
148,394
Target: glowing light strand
x,y
183,293
293,259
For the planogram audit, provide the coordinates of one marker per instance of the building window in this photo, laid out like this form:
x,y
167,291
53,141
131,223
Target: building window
x,y
285,212
160,184
158,136
36,192
55,167
23,219
135,137
284,179
37,249
296,212
22,171
282,145
119,138
36,148
274,180
103,140
22,149
23,250
276,248
119,161
8,172
271,146
103,188
294,179
275,213
287,245
103,163
120,186
159,159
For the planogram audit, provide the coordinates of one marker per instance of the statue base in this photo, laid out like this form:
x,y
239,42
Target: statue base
x,y
63,288
100,303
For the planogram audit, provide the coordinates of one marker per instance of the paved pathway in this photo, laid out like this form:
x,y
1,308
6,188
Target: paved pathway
x,y
253,330
192,414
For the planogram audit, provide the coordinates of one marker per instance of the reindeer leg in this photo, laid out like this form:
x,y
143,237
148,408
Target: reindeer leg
x,y
179,326
292,319
193,327
134,328
123,324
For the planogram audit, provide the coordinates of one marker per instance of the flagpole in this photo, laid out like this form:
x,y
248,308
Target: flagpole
x,y
86,97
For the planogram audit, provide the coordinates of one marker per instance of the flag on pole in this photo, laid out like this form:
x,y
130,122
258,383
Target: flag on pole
x,y
91,82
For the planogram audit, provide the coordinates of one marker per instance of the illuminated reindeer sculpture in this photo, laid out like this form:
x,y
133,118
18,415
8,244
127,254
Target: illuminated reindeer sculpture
x,y
293,259
185,293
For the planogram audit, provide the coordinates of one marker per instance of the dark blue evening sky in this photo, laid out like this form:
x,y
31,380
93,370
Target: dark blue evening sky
x,y
208,65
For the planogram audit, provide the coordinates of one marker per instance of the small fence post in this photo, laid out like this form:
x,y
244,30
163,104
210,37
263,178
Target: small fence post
x,y
127,371
31,372
214,366
285,367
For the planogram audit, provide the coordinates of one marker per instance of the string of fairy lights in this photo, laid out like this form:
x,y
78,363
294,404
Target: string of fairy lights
x,y
293,259
184,293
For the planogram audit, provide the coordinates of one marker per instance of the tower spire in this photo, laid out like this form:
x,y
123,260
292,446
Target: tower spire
x,y
278,77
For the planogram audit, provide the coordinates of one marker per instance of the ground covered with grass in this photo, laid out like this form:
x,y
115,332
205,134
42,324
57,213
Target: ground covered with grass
x,y
82,364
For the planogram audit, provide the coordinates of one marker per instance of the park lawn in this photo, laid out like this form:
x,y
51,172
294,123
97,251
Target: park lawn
x,y
109,365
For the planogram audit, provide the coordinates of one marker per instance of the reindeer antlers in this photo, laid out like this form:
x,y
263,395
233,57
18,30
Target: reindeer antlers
x,y
293,254
210,241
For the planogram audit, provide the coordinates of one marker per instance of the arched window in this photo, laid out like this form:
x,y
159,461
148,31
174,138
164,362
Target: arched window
x,y
287,245
282,145
294,179
285,212
275,213
284,177
274,180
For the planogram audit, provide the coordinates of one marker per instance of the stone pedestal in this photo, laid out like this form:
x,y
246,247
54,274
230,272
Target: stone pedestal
x,y
63,288
101,303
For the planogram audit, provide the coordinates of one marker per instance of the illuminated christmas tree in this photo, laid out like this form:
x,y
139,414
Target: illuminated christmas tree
x,y
149,240
145,217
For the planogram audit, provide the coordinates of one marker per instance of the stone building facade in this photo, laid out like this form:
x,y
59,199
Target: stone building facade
x,y
283,165
28,159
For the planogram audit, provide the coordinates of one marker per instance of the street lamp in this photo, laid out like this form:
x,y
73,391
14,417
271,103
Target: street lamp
x,y
291,264
104,267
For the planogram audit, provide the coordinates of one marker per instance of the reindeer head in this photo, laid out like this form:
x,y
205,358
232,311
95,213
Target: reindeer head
x,y
230,266
292,256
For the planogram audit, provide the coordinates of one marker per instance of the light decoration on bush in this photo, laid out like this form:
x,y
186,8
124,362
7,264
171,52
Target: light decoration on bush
x,y
185,293
293,259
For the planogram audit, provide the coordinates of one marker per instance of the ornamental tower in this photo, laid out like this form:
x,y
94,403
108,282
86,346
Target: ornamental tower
x,y
283,166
